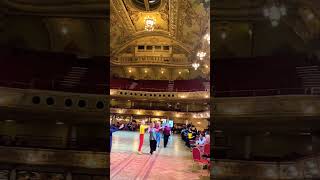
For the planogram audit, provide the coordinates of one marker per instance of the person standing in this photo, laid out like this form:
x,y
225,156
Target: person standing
x,y
143,128
166,135
152,138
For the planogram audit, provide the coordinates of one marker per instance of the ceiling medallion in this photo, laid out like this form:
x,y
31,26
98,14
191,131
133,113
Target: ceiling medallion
x,y
149,23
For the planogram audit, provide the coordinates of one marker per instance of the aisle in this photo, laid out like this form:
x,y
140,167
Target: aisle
x,y
173,162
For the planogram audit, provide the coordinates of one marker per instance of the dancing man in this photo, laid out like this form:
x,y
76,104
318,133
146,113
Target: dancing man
x,y
143,128
152,138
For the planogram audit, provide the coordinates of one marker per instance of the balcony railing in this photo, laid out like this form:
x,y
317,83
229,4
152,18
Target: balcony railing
x,y
152,60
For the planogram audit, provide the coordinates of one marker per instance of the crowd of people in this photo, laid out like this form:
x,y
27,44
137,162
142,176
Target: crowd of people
x,y
157,131
193,137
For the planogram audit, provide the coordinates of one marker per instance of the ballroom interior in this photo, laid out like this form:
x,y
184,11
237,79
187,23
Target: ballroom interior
x,y
159,73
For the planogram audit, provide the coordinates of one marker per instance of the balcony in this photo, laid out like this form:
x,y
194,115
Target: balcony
x,y
151,60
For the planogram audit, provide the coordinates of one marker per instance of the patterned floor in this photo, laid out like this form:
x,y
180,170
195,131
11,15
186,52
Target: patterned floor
x,y
171,163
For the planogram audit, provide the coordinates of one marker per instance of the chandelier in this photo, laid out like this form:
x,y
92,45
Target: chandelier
x,y
201,55
149,23
274,13
195,65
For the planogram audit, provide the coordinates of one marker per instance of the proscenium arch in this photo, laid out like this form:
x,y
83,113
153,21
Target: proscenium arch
x,y
140,35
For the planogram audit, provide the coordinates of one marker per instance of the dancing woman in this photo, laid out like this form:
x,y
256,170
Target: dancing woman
x,y
143,128
152,138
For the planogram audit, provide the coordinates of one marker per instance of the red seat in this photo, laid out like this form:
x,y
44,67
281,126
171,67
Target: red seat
x,y
206,150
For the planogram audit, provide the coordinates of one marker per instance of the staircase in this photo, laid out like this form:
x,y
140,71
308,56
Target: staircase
x,y
170,85
310,76
73,77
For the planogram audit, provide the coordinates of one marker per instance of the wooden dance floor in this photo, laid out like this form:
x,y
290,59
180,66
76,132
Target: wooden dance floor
x,y
173,162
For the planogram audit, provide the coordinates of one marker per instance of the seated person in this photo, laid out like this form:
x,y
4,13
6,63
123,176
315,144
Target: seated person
x,y
201,141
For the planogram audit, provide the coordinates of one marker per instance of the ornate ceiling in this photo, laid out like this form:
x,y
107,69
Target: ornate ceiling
x,y
181,22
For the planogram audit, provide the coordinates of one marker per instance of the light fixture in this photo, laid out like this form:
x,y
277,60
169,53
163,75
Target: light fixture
x,y
162,72
59,123
201,55
149,23
130,70
207,37
223,35
145,71
179,72
195,65
274,13
310,16
64,30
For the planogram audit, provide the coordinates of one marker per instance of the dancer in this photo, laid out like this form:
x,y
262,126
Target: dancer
x,y
158,133
152,138
112,130
166,135
143,128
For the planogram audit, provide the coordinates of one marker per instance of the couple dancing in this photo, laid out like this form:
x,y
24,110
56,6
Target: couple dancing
x,y
155,131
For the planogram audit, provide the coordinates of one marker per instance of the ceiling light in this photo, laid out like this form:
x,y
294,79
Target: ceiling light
x,y
223,35
145,71
162,72
149,23
130,71
179,72
310,16
64,30
59,123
